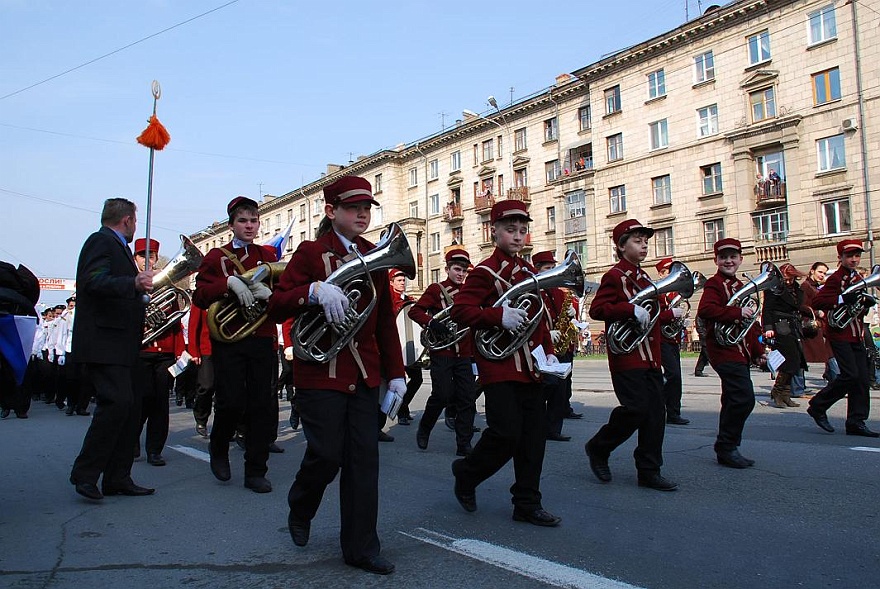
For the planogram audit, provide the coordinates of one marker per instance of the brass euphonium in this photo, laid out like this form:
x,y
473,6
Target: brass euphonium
x,y
730,334
843,315
230,322
624,336
673,329
526,295
311,327
434,342
168,304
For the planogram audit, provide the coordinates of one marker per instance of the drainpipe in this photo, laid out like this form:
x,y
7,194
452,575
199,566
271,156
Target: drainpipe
x,y
861,130
427,254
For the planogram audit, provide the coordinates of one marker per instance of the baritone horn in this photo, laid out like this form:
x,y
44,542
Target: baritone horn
x,y
228,321
673,329
624,336
730,334
168,303
843,315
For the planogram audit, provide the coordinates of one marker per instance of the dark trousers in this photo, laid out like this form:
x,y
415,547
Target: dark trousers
x,y
153,382
204,399
853,383
558,394
670,358
702,360
640,394
77,389
185,385
516,421
243,381
452,380
340,430
113,432
737,402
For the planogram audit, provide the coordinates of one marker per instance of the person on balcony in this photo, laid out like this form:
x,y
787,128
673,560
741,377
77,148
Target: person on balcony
x,y
774,181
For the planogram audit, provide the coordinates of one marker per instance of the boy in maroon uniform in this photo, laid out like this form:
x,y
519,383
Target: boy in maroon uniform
x,y
636,376
730,362
848,346
514,398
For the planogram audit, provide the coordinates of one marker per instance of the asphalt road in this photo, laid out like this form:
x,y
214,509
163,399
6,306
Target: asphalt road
x,y
805,516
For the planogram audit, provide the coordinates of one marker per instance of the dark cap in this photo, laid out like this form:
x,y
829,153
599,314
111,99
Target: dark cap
x,y
458,255
663,264
627,227
509,208
239,201
140,245
548,257
728,243
849,245
349,190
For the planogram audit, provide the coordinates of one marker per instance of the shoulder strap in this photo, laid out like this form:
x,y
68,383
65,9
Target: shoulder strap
x,y
234,259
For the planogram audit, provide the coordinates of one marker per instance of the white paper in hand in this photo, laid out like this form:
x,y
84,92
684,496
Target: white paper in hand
x,y
178,367
560,369
390,400
775,359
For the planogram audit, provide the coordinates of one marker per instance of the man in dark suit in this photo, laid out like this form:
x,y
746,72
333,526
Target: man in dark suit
x,y
109,329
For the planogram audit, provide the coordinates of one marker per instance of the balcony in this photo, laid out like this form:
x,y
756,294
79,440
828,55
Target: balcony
x,y
452,213
771,253
484,204
770,193
520,193
575,225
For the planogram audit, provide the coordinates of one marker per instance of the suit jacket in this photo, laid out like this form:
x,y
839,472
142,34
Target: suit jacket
x,y
714,310
110,312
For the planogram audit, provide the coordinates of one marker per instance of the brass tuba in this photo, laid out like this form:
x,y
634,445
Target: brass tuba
x,y
730,334
392,251
228,321
843,315
526,295
624,336
168,304
672,329
433,342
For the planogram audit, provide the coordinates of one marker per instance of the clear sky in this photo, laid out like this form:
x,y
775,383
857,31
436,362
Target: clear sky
x,y
258,95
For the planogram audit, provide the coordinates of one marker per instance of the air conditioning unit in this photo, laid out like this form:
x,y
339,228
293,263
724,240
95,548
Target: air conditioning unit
x,y
848,124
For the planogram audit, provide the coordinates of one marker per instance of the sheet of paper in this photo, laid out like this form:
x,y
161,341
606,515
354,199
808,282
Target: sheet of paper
x,y
775,359
560,369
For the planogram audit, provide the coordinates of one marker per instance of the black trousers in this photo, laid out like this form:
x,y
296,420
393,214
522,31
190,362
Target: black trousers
x,y
243,381
153,382
737,402
78,389
113,432
702,360
340,431
853,383
640,394
452,380
516,421
204,399
558,394
670,358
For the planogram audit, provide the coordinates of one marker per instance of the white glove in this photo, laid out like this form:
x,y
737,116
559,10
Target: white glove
x,y
677,312
571,312
333,300
51,356
397,386
260,291
554,336
288,354
512,317
642,316
552,359
61,360
241,290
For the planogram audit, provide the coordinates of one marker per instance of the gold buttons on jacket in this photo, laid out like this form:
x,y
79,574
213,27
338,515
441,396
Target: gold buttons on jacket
x,y
302,301
351,387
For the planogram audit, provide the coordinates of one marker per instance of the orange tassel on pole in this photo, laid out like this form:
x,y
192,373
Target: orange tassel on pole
x,y
155,136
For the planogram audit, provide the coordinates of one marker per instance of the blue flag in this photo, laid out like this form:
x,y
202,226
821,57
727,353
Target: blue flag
x,y
16,341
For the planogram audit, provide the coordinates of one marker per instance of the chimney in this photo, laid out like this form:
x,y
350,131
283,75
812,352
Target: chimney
x,y
563,79
333,168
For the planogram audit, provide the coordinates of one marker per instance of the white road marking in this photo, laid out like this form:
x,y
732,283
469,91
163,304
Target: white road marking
x,y
864,449
540,569
193,453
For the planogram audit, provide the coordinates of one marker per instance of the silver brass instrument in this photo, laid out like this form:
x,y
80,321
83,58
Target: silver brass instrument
x,y
311,327
228,321
843,315
526,295
624,336
730,334
432,342
672,329
168,304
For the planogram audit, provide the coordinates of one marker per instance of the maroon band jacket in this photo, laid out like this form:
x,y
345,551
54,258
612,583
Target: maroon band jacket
x,y
432,302
714,310
827,299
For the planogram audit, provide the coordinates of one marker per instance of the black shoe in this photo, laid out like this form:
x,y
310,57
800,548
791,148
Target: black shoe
x,y
294,420
21,414
178,401
202,430
68,411
657,482
464,450
88,490
700,373
422,439
383,437
258,484
5,413
466,498
861,429
404,419
128,489
374,564
734,459
558,438
677,420
220,467
821,419
155,460
450,422
573,415
239,440
275,448
299,531
598,464
83,412
538,517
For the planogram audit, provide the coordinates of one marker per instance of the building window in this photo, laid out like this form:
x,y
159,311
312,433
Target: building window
x,y
612,100
455,161
664,243
831,153
435,275
302,238
435,242
488,151
712,231
708,120
822,25
835,216
584,118
378,216
377,183
551,218
520,178
434,204
575,204
771,226
763,104
414,209
704,67
302,212
656,84
662,187
487,231
826,86
759,47
413,177
302,215
551,130
711,175
770,162
519,139
617,198
500,140
433,170
457,236
579,247
659,134
318,206
476,154
615,147
551,169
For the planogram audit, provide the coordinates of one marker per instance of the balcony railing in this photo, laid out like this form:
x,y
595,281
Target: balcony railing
x,y
452,213
483,203
771,253
770,193
575,225
519,193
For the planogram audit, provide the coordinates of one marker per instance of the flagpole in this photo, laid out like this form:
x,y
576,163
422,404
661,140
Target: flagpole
x,y
156,90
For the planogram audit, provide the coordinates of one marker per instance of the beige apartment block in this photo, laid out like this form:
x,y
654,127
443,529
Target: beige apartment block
x,y
686,132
